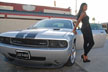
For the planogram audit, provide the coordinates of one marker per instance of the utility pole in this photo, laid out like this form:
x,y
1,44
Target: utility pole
x,y
75,6
54,3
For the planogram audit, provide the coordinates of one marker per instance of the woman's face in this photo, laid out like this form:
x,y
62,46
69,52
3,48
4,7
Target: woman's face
x,y
84,7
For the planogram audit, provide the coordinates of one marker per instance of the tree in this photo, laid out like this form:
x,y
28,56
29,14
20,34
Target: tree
x,y
93,19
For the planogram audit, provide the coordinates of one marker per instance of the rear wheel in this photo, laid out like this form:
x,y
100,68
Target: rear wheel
x,y
72,57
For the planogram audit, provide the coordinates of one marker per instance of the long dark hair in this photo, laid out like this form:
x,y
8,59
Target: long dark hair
x,y
80,10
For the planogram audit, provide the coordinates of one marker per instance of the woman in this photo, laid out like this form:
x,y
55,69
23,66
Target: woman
x,y
86,31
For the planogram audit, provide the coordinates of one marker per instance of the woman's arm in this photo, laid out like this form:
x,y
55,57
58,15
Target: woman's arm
x,y
83,14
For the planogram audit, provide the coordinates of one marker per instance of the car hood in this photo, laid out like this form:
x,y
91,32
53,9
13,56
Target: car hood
x,y
37,33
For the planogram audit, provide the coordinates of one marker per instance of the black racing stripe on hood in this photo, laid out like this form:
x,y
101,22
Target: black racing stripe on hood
x,y
21,35
31,35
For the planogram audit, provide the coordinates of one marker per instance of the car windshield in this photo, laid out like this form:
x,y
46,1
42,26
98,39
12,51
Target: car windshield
x,y
53,23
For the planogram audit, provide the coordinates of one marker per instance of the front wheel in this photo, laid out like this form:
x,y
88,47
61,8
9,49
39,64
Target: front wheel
x,y
72,57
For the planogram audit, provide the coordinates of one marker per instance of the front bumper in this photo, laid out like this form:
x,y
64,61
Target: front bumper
x,y
39,57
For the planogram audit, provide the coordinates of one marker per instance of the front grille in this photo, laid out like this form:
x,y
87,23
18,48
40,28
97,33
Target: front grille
x,y
36,43
29,42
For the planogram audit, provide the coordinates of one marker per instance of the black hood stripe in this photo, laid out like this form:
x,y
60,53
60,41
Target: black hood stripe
x,y
26,35
31,35
20,35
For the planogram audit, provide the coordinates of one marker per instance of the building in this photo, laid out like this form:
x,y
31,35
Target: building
x,y
20,16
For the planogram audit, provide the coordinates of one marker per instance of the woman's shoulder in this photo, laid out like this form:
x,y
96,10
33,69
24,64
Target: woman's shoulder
x,y
83,13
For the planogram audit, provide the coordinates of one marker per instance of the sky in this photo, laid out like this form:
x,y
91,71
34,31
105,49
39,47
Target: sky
x,y
96,8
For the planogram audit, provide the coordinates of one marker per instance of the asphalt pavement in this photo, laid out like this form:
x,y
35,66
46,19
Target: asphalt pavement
x,y
98,57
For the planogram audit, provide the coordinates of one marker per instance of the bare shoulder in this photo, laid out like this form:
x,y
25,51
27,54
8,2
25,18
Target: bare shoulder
x,y
83,14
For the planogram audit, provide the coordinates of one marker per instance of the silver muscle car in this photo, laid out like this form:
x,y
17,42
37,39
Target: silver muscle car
x,y
49,43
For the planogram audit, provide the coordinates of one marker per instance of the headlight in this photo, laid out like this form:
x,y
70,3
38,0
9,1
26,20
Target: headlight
x,y
1,39
5,40
63,44
58,44
52,43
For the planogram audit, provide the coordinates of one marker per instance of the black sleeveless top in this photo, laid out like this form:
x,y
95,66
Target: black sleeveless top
x,y
85,23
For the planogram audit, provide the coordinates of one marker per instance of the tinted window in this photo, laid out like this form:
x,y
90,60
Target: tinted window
x,y
54,24
96,26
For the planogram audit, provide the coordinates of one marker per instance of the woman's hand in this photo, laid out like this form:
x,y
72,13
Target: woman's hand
x,y
74,31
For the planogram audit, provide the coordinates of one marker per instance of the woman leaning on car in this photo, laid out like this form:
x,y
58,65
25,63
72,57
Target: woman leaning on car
x,y
86,31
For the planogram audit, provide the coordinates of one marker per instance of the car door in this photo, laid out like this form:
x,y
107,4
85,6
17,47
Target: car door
x,y
99,36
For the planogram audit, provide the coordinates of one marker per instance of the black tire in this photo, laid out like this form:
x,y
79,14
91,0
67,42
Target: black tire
x,y
72,57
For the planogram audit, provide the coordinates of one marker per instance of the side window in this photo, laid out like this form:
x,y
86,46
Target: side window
x,y
96,26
